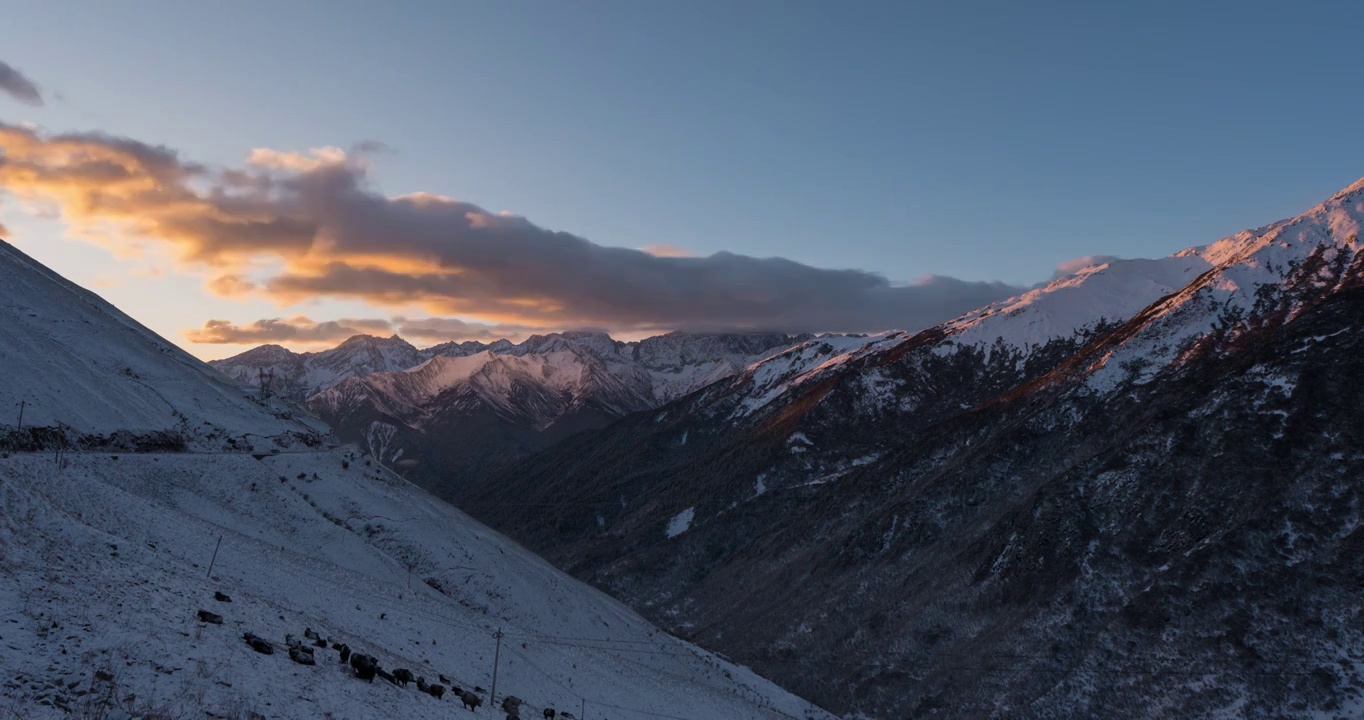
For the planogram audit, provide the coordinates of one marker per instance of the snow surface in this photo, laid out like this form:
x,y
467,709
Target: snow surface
x,y
105,561
681,522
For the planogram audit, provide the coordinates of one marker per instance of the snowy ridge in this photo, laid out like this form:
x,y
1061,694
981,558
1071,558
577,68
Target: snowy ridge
x,y
1108,292
1258,276
76,361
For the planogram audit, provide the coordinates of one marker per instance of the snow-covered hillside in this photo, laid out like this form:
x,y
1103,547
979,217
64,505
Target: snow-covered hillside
x,y
76,362
106,558
110,560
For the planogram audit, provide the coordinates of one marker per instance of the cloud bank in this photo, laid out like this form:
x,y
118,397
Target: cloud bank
x,y
328,233
18,86
304,330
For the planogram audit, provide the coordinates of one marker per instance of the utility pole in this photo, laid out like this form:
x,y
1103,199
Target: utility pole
x,y
497,656
22,403
215,556
582,709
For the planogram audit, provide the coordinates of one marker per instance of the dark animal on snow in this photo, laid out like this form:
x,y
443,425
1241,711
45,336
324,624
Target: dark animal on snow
x,y
320,643
549,713
221,597
299,656
259,644
403,676
445,680
436,690
308,633
511,704
386,675
208,617
421,684
345,653
470,700
365,666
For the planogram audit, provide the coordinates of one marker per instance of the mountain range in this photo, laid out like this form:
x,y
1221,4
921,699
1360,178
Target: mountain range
x,y
450,414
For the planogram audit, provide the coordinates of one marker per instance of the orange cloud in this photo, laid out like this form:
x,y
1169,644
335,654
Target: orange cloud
x,y
314,221
230,286
667,251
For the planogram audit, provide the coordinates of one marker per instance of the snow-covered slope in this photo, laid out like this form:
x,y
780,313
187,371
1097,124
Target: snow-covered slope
x,y
77,363
105,563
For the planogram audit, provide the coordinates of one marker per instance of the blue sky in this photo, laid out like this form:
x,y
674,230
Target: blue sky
x,y
985,141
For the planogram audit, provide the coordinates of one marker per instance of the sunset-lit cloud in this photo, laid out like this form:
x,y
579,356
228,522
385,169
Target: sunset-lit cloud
x,y
18,86
667,251
303,330
294,330
230,286
316,221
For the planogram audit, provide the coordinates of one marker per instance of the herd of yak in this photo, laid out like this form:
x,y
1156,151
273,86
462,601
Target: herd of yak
x,y
366,667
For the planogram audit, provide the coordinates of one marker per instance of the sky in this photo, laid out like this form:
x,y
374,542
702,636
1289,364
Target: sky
x,y
237,173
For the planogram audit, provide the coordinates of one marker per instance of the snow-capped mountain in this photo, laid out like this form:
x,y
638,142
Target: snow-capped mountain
x,y
665,367
299,376
131,577
1131,493
453,412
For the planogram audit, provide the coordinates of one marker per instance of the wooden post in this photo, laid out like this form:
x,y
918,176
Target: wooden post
x,y
582,709
22,403
497,656
215,556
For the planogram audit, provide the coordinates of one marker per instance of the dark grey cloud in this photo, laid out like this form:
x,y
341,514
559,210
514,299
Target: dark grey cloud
x,y
18,86
275,330
316,217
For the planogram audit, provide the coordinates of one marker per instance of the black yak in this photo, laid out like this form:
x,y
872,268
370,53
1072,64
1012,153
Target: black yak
x,y
259,644
470,700
365,666
298,655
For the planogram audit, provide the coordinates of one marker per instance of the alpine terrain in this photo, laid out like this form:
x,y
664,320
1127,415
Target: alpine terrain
x,y
172,546
1134,492
449,415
